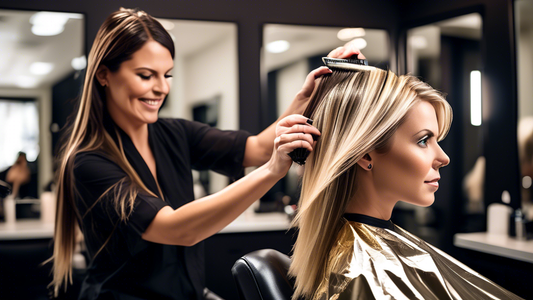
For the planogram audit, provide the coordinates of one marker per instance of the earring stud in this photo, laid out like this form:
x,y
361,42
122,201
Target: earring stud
x,y
369,166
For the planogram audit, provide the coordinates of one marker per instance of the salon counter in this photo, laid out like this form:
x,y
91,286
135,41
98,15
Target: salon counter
x,y
502,259
27,229
256,222
249,232
501,245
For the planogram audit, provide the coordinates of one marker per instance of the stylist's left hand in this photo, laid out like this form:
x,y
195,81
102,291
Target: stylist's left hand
x,y
301,100
292,132
346,51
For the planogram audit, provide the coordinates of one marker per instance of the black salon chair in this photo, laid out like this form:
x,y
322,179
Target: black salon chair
x,y
262,275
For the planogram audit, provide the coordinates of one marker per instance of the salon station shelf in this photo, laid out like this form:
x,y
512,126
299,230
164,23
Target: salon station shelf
x,y
36,229
256,222
26,230
496,244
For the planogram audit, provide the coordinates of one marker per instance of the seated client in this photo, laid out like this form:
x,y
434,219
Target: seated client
x,y
378,146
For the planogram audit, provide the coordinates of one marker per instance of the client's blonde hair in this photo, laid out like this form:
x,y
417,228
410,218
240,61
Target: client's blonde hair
x,y
356,112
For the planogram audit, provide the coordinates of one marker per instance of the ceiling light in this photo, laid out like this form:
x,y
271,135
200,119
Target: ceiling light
x,y
359,43
348,34
50,23
47,30
278,46
41,68
418,42
79,63
476,114
26,82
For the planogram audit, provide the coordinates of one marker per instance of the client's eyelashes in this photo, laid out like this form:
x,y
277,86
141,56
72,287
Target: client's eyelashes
x,y
424,141
147,77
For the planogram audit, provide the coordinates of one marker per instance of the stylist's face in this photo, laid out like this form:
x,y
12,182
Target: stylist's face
x,y
409,171
136,91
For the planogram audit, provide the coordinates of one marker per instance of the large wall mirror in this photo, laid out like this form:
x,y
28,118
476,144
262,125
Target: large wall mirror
x,y
447,55
289,53
524,62
205,84
39,50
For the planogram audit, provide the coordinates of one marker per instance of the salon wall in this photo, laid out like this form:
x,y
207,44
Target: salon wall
x,y
210,78
500,112
525,71
249,16
205,79
498,84
43,97
289,80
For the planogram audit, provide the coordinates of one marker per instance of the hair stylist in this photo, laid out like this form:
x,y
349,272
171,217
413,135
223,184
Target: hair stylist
x,y
125,175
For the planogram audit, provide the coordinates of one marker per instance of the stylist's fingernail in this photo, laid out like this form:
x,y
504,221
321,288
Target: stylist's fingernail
x,y
309,121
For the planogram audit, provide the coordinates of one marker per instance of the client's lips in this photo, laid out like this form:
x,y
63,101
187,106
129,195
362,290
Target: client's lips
x,y
433,182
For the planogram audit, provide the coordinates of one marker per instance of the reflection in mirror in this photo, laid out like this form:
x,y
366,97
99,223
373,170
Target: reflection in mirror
x,y
524,43
205,83
289,53
36,57
447,55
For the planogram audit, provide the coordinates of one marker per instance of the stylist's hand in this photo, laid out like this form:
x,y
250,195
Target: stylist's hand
x,y
292,132
348,50
301,100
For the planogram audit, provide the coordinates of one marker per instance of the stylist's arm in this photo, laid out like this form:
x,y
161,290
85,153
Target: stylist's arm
x,y
198,220
259,147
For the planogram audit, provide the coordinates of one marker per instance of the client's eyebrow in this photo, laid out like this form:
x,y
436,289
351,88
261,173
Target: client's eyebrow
x,y
427,131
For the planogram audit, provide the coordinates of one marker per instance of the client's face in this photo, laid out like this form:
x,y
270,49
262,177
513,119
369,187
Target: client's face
x,y
410,170
136,91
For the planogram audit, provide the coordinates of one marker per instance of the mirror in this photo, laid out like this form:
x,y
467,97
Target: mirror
x,y
205,83
289,53
36,54
447,55
524,63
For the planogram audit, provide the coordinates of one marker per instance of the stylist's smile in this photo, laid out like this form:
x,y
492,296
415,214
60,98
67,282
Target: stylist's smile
x,y
151,102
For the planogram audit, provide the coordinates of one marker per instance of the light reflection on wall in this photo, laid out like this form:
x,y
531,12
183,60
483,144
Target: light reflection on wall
x,y
19,131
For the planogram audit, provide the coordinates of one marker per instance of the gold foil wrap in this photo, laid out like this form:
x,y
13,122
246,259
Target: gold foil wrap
x,y
370,262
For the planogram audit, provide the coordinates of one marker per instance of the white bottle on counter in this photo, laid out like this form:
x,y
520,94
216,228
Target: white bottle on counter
x,y
520,225
48,207
498,218
10,211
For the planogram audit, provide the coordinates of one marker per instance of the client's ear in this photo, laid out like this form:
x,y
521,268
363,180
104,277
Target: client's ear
x,y
365,162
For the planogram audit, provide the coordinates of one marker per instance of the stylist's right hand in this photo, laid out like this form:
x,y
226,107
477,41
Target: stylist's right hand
x,y
292,132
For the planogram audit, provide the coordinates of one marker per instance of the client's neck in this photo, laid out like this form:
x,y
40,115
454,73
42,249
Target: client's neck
x,y
367,202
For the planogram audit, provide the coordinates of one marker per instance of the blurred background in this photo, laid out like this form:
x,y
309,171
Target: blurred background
x,y
238,65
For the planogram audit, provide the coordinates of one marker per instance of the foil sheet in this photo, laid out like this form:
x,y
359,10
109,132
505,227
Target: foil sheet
x,y
370,262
